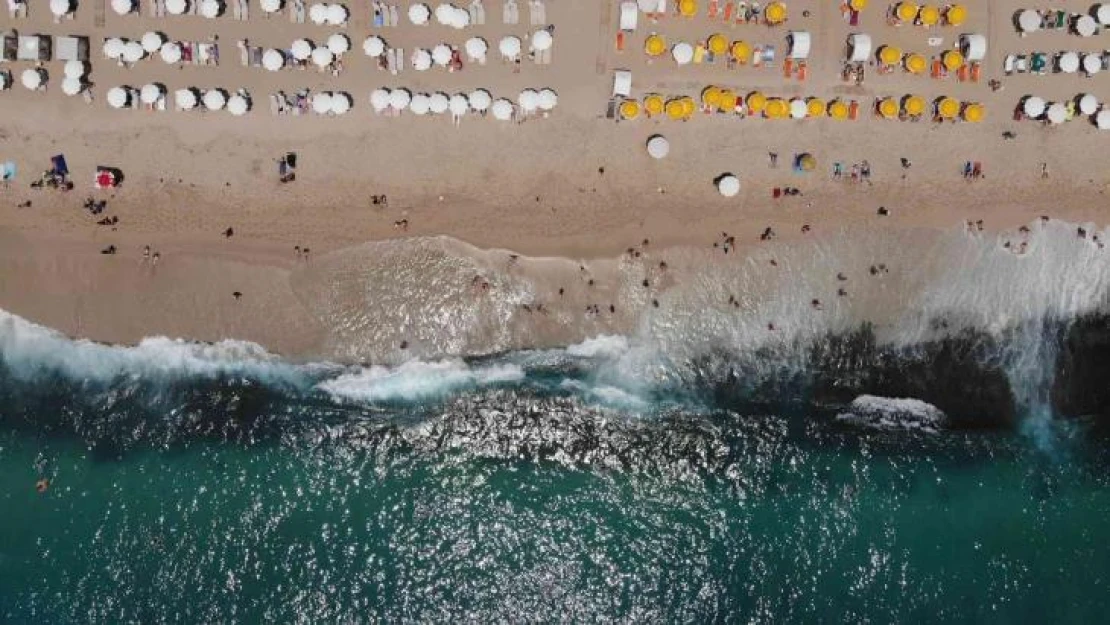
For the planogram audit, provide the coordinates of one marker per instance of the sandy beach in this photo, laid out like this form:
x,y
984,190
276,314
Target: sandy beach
x,y
574,185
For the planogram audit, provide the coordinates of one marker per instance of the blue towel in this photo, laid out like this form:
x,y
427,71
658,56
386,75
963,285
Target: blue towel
x,y
9,170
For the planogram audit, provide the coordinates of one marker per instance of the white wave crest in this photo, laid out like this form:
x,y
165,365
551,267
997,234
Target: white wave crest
x,y
416,379
889,413
603,346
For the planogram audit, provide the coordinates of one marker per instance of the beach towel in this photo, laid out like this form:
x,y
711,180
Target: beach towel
x,y
8,171
58,165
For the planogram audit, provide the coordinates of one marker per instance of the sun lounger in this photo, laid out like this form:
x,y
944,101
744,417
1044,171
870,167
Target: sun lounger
x,y
510,14
1008,64
481,11
1021,64
538,13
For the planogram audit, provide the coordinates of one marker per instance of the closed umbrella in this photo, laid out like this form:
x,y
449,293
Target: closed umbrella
x,y
421,60
237,105
133,52
459,104
682,52
150,93
1092,63
270,6
399,99
476,48
1033,106
509,46
1069,62
71,85
728,185
1088,104
1056,113
185,98
541,40
419,13
340,102
214,99
170,53
1029,21
502,109
31,79
321,103
152,42
322,57
301,49
339,44
420,104
113,48
273,60
210,8
74,69
1102,119
122,7
318,14
176,7
548,99
60,7
438,103
337,14
116,97
373,46
441,54
379,100
480,100
658,146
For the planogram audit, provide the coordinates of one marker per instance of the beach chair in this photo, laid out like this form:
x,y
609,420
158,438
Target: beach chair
x,y
1021,64
713,9
728,11
699,54
853,110
537,13
1008,64
803,71
393,15
787,67
975,71
510,14
962,73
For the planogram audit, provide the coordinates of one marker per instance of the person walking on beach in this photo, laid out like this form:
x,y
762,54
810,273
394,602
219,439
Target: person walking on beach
x,y
1044,170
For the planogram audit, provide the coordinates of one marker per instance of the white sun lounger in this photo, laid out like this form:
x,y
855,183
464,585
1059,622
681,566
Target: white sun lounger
x,y
510,13
622,83
393,15
538,13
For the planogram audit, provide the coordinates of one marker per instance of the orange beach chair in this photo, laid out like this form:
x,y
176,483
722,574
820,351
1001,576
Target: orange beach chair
x,y
787,67
713,8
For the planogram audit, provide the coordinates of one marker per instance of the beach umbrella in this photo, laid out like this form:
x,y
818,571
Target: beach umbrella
x,y
123,7
374,46
1056,113
116,97
1092,63
210,8
1102,14
955,14
476,48
805,162
717,43
857,5
630,109
728,185
1068,62
1102,119
301,49
888,108
947,107
1029,21
775,13
655,45
339,44
653,104
502,109
150,93
399,99
711,96
916,63
1033,106
321,103
913,105
152,42
953,60
726,100
176,7
458,104
928,15
270,6
480,100
798,108
418,14
756,102
687,8
133,52
340,102
444,14
541,40
658,146
438,103
420,104
74,69
741,51
548,99
113,48
776,109
815,107
170,53
61,7
185,98
441,54
379,100
838,110
675,110
890,55
237,105
71,85
214,99
337,15
509,46
1085,26
1088,104
974,112
33,78
459,19
421,60
318,14
273,60
682,53
906,11
529,100
322,57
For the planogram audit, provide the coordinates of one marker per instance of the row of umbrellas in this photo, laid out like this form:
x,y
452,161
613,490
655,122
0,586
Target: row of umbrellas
x,y
210,9
1038,108
944,107
928,15
479,100
212,99
716,99
331,102
775,13
915,63
1030,20
445,14
304,50
319,13
1071,62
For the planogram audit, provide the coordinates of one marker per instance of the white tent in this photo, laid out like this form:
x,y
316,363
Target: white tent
x,y
439,103
1033,106
321,103
441,54
480,100
238,105
1102,14
682,52
1102,119
1088,104
728,185
185,98
799,43
210,8
974,47
399,99
74,69
337,15
658,146
301,49
1029,21
150,93
1085,26
61,7
458,104
421,60
133,52
214,99
548,99
798,108
123,7
529,100
339,44
419,13
541,40
1068,62
340,102
72,85
318,14
1092,63
502,110
270,6
152,42
322,57
509,47
476,48
117,97
273,60
859,48
622,83
379,100
1056,113
176,7
32,78
113,48
170,53
629,16
420,104
374,46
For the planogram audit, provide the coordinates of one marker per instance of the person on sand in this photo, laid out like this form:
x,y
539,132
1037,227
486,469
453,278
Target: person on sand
x,y
146,253
154,259
230,232
237,295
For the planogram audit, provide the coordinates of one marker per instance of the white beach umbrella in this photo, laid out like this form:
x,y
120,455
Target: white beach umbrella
x,y
133,52
31,78
1029,21
379,100
340,102
322,57
150,93
238,105
418,14
441,54
185,98
399,99
509,46
337,14
460,19
476,48
71,85
177,7
123,7
1034,106
548,99
658,146
444,14
1056,113
529,100
170,53
339,44
728,185
480,100
502,109
438,103
421,60
1088,104
301,49
1102,14
210,9
321,103
152,42
61,7
1085,26
113,47
1092,63
682,52
541,40
1102,119
458,104
273,60
116,97
214,99
1069,62
374,46
420,104
74,69
798,108
270,6
318,14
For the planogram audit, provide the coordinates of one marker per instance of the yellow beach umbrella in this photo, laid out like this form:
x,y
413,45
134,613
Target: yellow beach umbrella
x,y
653,104
711,96
717,44
806,162
727,101
956,14
688,106
675,110
906,11
756,102
858,5
913,104
890,55
974,112
630,109
775,13
741,51
688,8
929,15
916,64
947,107
777,108
838,110
655,45
888,108
953,60
815,107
